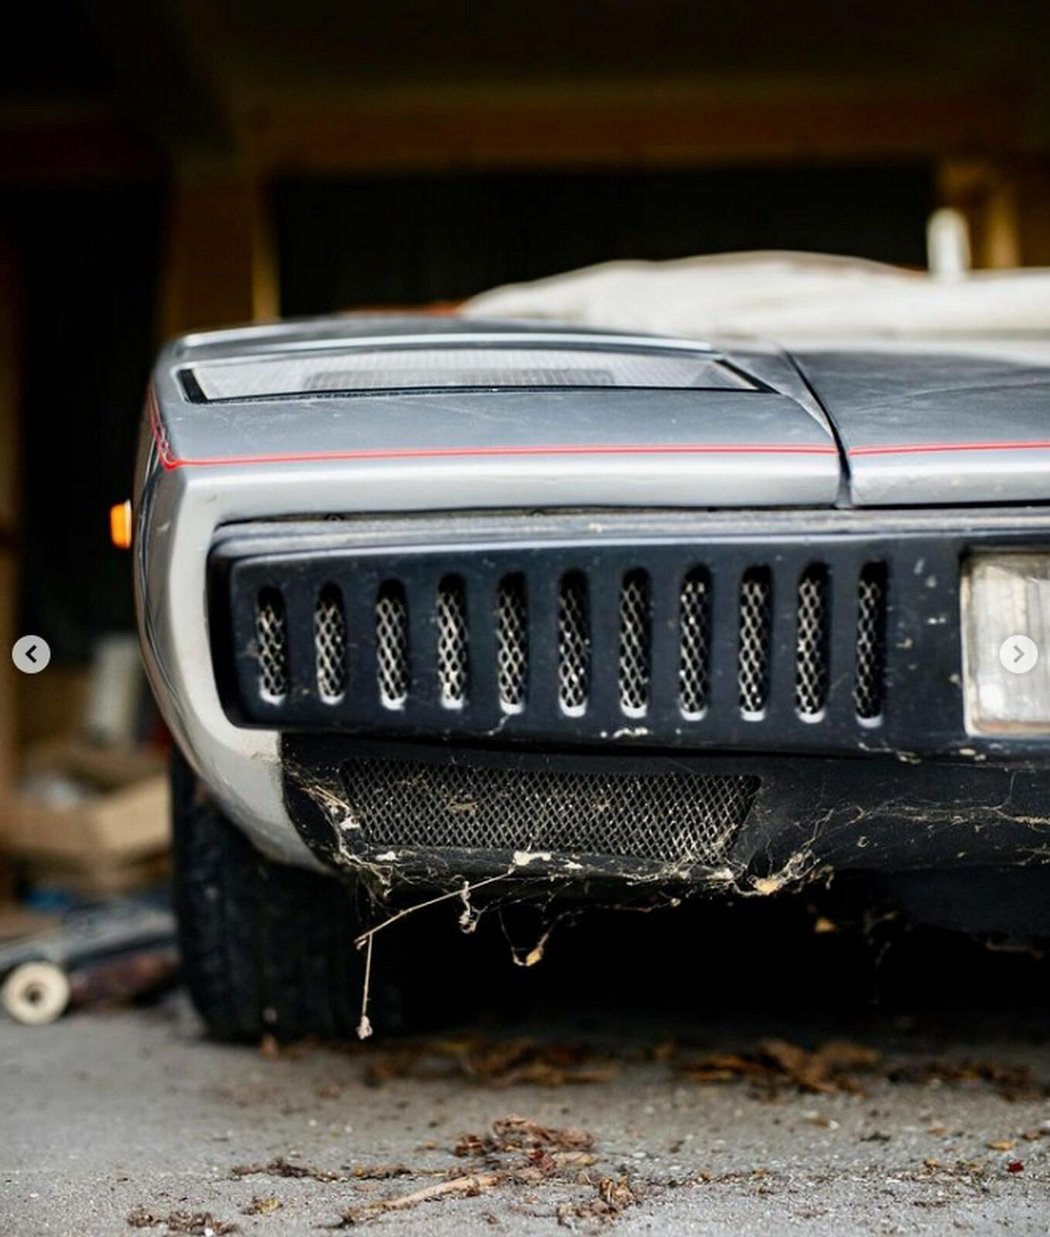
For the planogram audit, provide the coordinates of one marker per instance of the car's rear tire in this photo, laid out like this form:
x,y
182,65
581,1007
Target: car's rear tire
x,y
266,948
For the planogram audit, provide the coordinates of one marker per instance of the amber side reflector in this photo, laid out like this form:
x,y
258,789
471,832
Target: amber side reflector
x,y
120,525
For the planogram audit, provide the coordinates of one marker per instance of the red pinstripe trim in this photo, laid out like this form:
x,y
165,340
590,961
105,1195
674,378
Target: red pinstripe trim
x,y
171,461
160,437
922,447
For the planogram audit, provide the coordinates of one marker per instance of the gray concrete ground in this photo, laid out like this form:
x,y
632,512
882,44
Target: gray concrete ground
x,y
118,1119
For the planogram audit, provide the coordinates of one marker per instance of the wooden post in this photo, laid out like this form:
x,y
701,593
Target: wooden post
x,y
9,503
1001,249
1033,208
985,193
220,265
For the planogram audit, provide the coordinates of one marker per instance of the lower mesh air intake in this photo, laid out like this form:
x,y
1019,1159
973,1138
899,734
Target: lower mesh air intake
x,y
673,818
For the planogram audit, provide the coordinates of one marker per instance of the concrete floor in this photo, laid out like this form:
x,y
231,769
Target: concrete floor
x,y
111,1115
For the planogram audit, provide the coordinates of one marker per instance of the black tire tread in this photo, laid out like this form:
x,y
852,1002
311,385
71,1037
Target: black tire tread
x,y
266,948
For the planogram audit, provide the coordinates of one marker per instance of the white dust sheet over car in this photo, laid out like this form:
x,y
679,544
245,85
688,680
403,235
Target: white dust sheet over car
x,y
779,295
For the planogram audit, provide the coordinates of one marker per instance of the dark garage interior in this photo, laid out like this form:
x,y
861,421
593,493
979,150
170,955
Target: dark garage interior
x,y
180,165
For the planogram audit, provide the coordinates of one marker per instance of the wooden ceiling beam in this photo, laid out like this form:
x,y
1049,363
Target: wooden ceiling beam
x,y
622,124
626,124
219,266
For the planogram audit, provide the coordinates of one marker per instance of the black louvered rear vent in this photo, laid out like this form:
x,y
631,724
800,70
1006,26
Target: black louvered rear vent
x,y
572,647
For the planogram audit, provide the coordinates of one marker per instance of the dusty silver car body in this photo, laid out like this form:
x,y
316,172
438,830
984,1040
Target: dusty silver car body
x,y
838,430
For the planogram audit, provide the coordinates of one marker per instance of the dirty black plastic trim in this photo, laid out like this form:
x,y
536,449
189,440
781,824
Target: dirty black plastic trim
x,y
922,554
811,815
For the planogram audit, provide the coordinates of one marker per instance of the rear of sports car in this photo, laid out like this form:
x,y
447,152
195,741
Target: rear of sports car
x,y
434,605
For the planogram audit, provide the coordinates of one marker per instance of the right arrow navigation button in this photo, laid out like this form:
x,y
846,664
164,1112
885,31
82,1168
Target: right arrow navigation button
x,y
1018,654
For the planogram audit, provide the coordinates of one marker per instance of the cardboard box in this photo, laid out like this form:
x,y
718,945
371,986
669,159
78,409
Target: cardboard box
x,y
106,768
112,840
127,824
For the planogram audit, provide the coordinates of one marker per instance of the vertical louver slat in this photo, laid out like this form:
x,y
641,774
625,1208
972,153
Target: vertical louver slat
x,y
635,643
392,669
811,645
452,641
272,646
756,612
574,643
512,643
694,666
330,644
871,641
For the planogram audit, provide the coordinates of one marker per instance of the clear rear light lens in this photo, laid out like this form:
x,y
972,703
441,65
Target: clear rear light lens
x,y
1006,642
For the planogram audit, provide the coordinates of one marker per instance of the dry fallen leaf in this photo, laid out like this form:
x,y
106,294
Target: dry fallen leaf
x,y
961,1168
192,1224
262,1206
501,1063
517,1151
280,1167
514,1133
614,1195
381,1172
1012,1082
776,1062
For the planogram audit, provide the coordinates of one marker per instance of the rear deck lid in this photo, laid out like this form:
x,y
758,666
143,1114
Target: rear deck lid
x,y
931,423
562,419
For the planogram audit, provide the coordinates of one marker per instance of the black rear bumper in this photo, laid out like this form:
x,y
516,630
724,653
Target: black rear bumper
x,y
762,734
816,633
794,817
